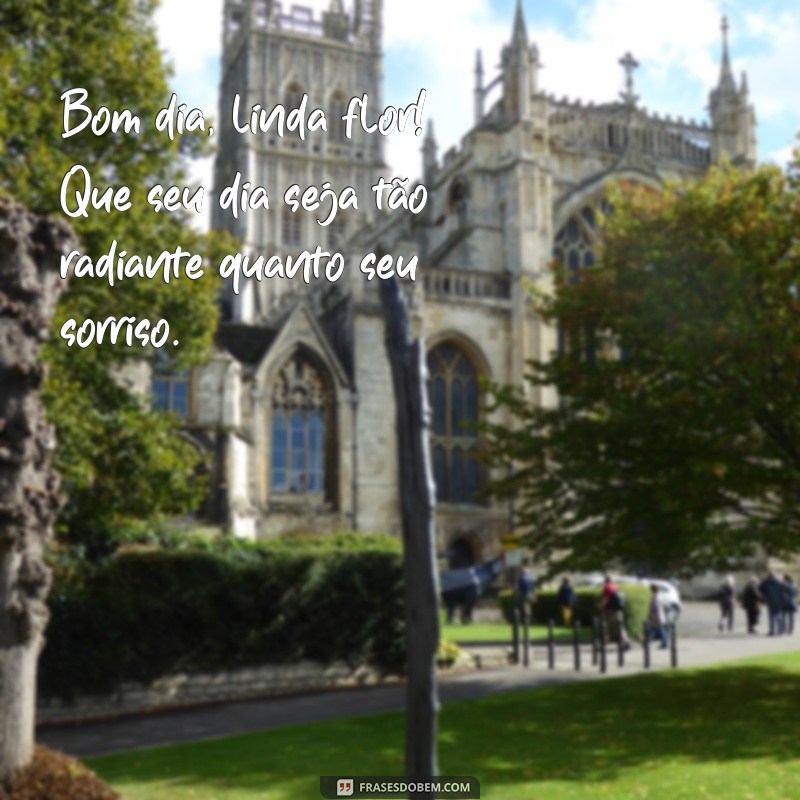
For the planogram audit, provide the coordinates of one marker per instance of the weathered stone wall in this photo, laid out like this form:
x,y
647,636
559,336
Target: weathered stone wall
x,y
175,691
184,691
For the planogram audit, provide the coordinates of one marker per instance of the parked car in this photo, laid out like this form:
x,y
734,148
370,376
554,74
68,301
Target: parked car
x,y
668,593
668,596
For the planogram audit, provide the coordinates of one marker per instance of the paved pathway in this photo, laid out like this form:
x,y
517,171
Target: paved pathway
x,y
229,719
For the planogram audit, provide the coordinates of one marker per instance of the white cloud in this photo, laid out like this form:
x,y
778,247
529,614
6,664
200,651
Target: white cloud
x,y
781,157
775,69
191,36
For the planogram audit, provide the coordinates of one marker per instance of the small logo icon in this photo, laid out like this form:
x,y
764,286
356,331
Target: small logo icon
x,y
344,787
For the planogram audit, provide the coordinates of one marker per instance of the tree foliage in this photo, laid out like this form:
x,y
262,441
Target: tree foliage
x,y
117,458
675,444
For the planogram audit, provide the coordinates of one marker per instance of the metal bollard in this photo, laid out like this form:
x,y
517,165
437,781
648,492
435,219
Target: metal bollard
x,y
673,645
646,644
526,639
620,641
551,646
595,638
576,644
603,638
515,634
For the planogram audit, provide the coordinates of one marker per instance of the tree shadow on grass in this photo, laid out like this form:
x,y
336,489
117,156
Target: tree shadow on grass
x,y
583,732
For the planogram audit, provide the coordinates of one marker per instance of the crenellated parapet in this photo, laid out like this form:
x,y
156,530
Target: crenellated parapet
x,y
618,128
335,24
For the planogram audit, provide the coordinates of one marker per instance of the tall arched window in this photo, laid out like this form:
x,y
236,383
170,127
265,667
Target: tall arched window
x,y
577,239
575,250
338,109
293,97
301,428
454,397
459,199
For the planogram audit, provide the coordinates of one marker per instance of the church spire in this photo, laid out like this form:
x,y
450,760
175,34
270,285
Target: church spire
x,y
733,120
727,83
520,63
519,38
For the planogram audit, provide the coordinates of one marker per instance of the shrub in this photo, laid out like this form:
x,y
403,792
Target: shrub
x,y
447,654
587,600
140,615
52,776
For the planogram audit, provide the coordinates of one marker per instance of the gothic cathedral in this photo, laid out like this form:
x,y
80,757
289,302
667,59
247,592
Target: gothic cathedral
x,y
296,405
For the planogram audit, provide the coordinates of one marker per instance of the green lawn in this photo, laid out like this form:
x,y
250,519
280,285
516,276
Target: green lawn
x,y
726,733
498,632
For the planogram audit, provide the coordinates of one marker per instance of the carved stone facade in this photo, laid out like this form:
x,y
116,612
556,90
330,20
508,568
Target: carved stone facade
x,y
523,188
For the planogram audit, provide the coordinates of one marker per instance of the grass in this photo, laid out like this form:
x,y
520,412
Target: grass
x,y
725,732
477,632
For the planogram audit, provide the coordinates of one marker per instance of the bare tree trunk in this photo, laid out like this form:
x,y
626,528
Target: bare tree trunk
x,y
30,250
407,361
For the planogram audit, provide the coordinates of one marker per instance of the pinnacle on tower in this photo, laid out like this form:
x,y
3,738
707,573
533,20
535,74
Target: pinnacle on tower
x,y
520,35
479,90
726,79
429,151
479,65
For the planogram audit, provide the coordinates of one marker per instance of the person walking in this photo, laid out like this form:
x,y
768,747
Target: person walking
x,y
526,592
727,594
566,601
789,603
773,593
657,618
612,605
750,602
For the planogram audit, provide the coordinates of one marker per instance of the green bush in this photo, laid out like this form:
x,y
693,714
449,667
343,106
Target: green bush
x,y
143,614
447,654
587,603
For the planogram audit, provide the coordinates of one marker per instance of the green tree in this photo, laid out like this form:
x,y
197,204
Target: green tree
x,y
117,458
675,444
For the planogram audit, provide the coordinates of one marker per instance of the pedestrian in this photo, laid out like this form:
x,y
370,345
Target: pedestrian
x,y
789,603
727,595
612,604
566,601
526,588
750,602
657,618
773,593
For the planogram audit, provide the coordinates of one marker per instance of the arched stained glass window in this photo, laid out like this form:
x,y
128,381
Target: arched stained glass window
x,y
301,422
575,250
280,447
454,397
576,241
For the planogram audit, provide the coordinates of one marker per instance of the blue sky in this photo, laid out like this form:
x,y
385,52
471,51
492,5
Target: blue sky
x,y
432,44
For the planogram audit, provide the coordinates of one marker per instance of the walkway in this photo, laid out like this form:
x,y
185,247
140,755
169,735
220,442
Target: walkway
x,y
229,719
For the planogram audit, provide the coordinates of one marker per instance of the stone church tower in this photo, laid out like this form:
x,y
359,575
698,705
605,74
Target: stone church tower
x,y
275,55
296,405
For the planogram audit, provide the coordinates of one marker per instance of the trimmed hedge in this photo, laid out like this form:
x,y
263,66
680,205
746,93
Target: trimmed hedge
x,y
140,615
587,600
